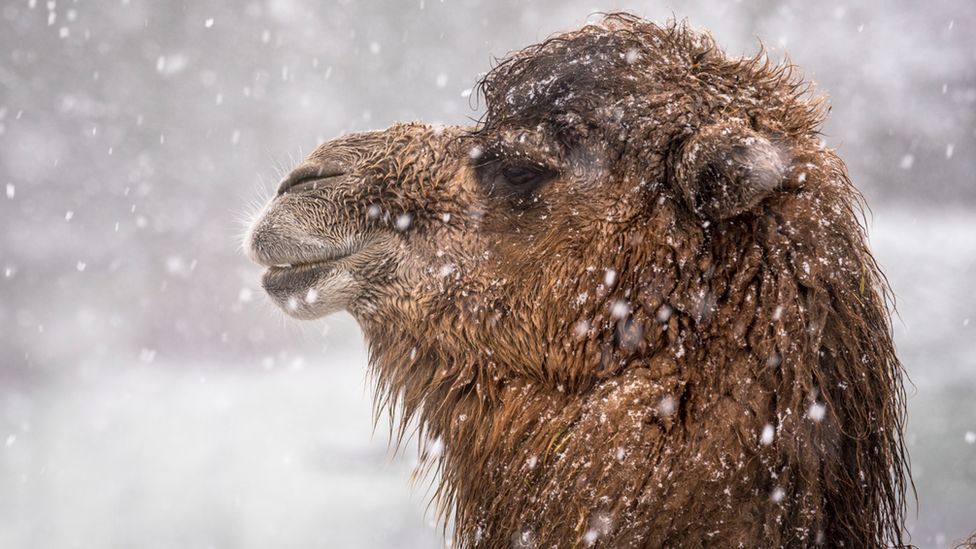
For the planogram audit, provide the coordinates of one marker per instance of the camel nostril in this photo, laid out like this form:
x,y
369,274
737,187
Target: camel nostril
x,y
309,177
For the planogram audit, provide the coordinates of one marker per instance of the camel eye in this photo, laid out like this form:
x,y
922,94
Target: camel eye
x,y
509,172
523,176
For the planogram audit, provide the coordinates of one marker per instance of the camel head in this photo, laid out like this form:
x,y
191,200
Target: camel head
x,y
595,147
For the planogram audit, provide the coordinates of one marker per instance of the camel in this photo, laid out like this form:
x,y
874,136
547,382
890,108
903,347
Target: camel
x,y
632,306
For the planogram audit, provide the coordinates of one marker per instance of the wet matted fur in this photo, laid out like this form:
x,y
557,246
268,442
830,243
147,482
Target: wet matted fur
x,y
633,306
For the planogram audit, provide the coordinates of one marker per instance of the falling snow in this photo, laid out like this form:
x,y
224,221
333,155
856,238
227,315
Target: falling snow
x,y
817,411
663,313
620,309
667,406
245,295
403,221
435,448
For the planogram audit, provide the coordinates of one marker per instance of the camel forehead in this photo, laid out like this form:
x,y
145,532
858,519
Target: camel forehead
x,y
583,71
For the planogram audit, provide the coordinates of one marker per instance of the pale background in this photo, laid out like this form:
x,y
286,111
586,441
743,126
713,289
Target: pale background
x,y
151,397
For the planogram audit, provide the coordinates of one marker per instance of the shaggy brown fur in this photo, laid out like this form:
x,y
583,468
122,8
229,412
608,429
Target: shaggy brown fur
x,y
632,307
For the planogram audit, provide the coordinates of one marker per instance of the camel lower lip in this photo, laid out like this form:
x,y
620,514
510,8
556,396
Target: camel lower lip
x,y
293,277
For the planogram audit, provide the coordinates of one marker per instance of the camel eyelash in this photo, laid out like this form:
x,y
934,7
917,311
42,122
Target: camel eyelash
x,y
495,152
504,156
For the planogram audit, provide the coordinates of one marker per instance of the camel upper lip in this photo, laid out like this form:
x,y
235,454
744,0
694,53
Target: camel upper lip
x,y
312,260
285,266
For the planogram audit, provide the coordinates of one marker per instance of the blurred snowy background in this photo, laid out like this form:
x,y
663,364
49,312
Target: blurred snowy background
x,y
150,396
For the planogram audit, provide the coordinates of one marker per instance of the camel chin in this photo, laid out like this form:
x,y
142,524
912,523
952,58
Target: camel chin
x,y
310,291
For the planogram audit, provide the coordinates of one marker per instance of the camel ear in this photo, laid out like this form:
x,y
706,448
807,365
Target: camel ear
x,y
726,169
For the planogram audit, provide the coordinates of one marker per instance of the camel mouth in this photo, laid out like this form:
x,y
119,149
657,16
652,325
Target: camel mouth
x,y
312,288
